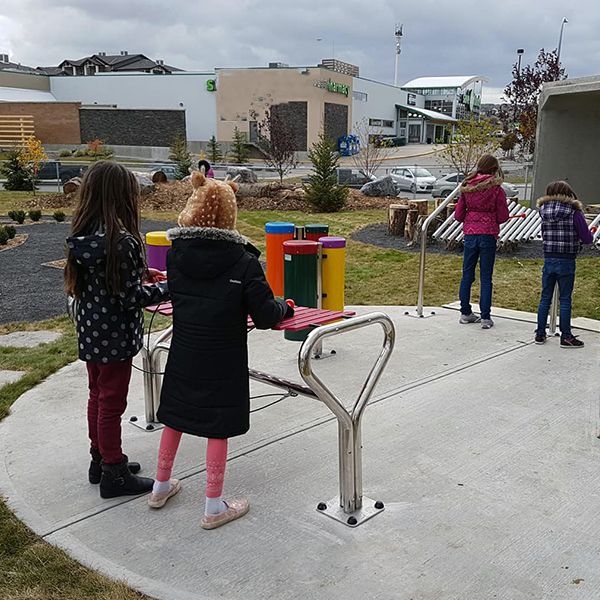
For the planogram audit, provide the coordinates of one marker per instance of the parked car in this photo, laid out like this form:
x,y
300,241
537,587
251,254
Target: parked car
x,y
48,171
354,178
412,179
169,170
446,184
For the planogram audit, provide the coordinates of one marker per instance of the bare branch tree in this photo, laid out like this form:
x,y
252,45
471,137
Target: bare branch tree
x,y
276,140
371,155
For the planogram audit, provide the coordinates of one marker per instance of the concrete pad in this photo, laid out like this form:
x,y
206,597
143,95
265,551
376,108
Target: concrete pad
x,y
10,376
482,446
582,323
28,339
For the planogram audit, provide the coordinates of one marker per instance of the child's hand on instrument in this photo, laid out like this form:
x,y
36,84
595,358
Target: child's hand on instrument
x,y
289,313
155,276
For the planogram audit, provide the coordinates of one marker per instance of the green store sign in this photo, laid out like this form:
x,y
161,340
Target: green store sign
x,y
211,85
338,88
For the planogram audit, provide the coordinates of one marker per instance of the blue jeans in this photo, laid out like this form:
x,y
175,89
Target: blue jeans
x,y
561,271
483,248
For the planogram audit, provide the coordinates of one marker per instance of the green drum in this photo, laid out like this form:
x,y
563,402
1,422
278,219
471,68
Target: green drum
x,y
314,231
300,278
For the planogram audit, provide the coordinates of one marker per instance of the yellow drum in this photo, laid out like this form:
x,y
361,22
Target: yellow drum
x,y
333,272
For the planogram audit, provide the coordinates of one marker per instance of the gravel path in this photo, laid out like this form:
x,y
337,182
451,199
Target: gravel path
x,y
377,235
30,291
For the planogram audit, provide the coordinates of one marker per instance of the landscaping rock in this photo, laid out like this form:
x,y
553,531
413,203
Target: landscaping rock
x,y
246,175
384,186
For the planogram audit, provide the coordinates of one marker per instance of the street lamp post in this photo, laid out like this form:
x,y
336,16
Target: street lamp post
x,y
520,52
560,37
332,47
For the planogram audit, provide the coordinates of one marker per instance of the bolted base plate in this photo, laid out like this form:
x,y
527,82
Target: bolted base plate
x,y
144,425
423,316
353,519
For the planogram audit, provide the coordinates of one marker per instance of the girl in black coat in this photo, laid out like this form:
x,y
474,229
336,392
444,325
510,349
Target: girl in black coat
x,y
215,281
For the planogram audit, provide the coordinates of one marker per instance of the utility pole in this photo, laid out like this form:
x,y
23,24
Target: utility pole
x,y
398,32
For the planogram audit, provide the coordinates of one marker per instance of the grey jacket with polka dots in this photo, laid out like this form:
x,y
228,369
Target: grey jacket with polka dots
x,y
110,327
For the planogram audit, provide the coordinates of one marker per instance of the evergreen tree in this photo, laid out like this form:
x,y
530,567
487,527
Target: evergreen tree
x,y
239,147
214,150
181,156
17,176
322,190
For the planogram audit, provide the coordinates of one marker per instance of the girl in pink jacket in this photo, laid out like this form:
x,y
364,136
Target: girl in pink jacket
x,y
482,207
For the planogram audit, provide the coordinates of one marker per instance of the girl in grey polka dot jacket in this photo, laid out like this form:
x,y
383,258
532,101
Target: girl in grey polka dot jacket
x,y
107,276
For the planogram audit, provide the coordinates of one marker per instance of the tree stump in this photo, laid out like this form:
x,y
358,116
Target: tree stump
x,y
158,177
422,206
397,214
72,185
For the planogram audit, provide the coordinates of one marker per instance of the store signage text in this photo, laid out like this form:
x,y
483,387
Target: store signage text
x,y
411,99
211,85
334,87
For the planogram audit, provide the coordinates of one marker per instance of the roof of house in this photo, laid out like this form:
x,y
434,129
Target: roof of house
x,y
10,66
116,62
442,82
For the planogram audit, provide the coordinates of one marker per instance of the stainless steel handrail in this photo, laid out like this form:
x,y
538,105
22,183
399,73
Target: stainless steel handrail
x,y
424,229
349,440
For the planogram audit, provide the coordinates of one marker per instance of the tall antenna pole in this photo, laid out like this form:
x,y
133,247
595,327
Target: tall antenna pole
x,y
398,33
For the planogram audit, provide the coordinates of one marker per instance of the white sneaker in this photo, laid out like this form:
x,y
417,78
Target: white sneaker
x,y
466,319
487,323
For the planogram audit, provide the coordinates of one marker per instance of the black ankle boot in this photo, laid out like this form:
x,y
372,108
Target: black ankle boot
x,y
118,480
95,470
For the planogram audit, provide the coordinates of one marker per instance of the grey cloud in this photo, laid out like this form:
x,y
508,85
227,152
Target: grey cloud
x,y
441,37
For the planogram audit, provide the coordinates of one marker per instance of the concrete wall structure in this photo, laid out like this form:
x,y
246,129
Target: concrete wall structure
x,y
54,122
241,92
189,91
568,137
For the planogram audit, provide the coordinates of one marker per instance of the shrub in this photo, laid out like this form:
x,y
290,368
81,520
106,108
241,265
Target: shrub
x,y
59,215
17,215
3,236
239,147
65,153
181,156
18,178
322,190
79,153
11,231
35,215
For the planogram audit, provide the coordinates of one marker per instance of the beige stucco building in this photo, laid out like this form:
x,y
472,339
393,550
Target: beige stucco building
x,y
314,99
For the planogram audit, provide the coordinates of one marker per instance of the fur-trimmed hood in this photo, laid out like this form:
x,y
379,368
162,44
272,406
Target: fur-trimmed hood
x,y
481,183
206,233
576,204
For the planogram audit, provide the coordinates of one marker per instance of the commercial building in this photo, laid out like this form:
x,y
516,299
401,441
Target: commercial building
x,y
458,97
329,97
568,140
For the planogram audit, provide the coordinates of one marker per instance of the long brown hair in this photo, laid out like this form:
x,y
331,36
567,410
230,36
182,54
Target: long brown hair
x,y
487,165
560,188
108,198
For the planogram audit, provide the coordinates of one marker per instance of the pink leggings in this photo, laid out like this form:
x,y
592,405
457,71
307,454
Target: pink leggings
x,y
216,459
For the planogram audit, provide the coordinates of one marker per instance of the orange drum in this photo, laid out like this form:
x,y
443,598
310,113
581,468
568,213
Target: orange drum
x,y
276,233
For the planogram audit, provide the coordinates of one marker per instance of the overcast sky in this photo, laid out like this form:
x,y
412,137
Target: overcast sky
x,y
441,37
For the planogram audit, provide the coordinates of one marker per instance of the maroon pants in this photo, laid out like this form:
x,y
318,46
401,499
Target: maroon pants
x,y
109,384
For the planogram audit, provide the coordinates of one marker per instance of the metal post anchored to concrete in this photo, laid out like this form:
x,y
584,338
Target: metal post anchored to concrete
x,y
349,507
424,229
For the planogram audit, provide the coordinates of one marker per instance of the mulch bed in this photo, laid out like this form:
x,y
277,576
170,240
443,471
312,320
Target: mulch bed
x,y
14,242
260,196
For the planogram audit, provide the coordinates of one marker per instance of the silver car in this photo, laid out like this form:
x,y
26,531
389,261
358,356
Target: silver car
x,y
412,179
446,184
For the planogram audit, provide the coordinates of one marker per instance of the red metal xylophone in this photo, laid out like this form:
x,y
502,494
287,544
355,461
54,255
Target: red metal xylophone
x,y
303,318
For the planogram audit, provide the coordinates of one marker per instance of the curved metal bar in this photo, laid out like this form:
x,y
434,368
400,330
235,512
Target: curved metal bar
x,y
349,433
424,228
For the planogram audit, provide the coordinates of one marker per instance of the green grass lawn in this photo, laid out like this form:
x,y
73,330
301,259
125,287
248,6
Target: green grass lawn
x,y
30,569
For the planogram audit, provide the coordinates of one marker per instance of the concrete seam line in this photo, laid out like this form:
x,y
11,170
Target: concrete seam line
x,y
192,472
